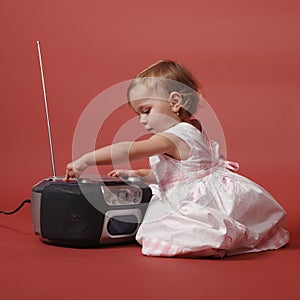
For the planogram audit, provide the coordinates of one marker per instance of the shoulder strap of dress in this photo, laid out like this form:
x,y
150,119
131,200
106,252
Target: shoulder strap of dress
x,y
181,130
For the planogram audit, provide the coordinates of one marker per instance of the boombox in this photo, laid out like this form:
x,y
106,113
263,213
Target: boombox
x,y
87,212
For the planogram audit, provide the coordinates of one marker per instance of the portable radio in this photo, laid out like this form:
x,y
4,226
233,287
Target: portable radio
x,y
88,212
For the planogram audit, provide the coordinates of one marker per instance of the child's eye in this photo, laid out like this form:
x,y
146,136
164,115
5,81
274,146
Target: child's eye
x,y
146,110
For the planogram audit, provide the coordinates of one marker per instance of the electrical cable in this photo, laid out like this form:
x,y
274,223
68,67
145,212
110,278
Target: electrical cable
x,y
15,210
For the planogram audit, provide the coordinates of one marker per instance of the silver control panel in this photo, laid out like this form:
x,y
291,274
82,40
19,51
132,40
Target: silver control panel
x,y
122,195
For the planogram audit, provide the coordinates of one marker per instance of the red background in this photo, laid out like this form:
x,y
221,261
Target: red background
x,y
246,55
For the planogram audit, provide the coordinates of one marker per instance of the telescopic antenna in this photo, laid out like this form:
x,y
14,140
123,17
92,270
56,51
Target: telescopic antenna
x,y
46,109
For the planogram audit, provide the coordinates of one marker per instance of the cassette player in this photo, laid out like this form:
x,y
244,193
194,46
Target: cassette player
x,y
88,212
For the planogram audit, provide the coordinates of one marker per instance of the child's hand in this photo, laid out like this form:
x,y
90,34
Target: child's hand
x,y
146,175
123,173
75,168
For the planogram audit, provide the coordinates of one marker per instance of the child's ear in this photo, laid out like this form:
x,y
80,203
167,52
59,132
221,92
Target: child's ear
x,y
175,101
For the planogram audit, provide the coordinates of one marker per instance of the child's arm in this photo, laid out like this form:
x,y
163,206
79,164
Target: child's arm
x,y
124,152
145,175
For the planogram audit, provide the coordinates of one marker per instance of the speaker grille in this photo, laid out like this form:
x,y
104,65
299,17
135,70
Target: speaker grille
x,y
67,216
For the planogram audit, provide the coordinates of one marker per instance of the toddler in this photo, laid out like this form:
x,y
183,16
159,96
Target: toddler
x,y
199,206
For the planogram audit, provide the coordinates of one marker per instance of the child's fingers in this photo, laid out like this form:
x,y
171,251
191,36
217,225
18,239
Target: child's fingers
x,y
70,173
67,177
113,173
119,173
110,173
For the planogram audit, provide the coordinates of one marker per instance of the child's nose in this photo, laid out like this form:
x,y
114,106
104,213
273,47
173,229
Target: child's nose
x,y
143,118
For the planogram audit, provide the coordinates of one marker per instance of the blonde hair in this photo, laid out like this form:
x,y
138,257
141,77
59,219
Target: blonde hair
x,y
177,79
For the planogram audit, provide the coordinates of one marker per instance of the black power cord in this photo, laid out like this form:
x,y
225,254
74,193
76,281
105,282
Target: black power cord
x,y
15,210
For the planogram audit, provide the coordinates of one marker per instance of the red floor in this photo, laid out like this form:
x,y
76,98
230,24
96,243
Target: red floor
x,y
32,270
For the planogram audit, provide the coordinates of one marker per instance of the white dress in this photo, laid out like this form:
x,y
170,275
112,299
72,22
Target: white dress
x,y
201,208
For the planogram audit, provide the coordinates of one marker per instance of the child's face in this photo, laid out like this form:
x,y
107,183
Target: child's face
x,y
155,113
